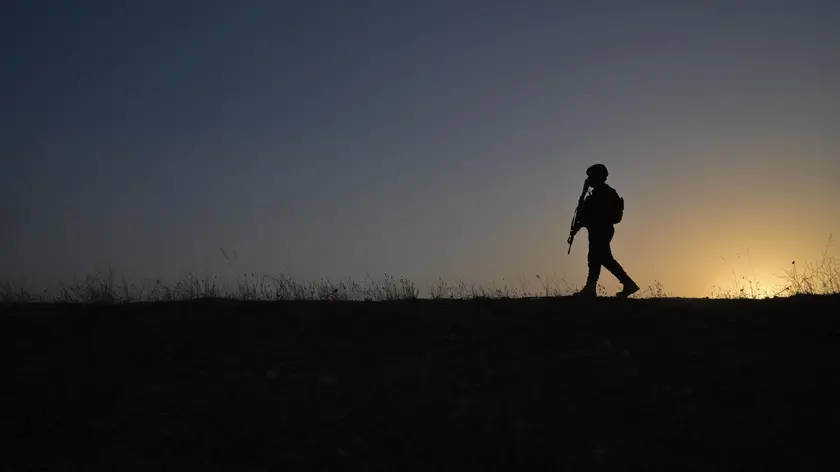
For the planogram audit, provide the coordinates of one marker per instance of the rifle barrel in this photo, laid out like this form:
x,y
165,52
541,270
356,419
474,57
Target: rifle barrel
x,y
574,215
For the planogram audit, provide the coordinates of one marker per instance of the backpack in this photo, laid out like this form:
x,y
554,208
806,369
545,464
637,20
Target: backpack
x,y
616,207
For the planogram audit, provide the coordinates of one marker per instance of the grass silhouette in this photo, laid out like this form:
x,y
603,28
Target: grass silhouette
x,y
814,278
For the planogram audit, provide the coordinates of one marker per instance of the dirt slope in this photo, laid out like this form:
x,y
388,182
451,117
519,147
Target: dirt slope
x,y
422,385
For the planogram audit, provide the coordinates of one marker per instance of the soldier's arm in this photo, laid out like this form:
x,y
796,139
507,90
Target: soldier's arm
x,y
579,217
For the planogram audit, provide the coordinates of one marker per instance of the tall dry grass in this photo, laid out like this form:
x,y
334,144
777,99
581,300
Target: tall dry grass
x,y
813,278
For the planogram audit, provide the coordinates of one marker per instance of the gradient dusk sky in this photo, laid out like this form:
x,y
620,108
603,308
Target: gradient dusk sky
x,y
420,139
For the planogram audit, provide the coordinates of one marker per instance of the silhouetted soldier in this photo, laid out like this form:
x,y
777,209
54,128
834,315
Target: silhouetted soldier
x,y
599,213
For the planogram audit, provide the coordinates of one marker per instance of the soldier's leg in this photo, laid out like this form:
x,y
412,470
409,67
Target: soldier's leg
x,y
614,267
598,245
629,286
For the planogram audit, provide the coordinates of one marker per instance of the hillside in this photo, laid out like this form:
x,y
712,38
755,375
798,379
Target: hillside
x,y
668,384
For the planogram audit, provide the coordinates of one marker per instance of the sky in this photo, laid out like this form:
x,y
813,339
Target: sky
x,y
432,140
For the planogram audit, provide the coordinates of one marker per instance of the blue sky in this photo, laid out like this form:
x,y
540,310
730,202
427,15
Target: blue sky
x,y
426,139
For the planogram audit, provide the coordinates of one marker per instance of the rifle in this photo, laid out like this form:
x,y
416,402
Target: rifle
x,y
572,231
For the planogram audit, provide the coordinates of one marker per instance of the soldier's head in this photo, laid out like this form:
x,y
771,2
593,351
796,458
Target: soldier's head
x,y
597,175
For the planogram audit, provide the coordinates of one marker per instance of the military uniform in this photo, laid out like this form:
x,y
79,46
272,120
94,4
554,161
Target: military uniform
x,y
596,215
601,231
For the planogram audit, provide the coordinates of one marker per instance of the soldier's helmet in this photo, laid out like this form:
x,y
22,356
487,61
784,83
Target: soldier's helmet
x,y
597,173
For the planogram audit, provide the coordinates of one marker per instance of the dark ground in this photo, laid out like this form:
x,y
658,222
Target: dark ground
x,y
422,385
